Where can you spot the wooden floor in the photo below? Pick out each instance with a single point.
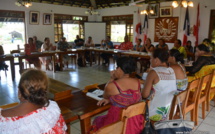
(81, 77)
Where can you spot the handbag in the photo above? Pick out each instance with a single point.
(174, 126)
(148, 129)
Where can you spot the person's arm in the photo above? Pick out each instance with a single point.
(151, 49)
(197, 65)
(166, 47)
(130, 46)
(92, 44)
(148, 83)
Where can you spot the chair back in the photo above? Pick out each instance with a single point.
(119, 127)
(213, 80)
(192, 86)
(9, 105)
(131, 111)
(182, 96)
(86, 88)
(204, 86)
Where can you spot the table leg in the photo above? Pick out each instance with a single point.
(85, 125)
(61, 62)
(20, 65)
(99, 58)
(12, 69)
(53, 61)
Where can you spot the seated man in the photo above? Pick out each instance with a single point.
(126, 45)
(108, 44)
(89, 43)
(78, 42)
(63, 46)
(181, 49)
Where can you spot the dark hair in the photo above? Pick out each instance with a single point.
(179, 42)
(63, 38)
(207, 40)
(161, 54)
(30, 38)
(149, 40)
(127, 64)
(178, 56)
(108, 37)
(203, 47)
(46, 38)
(162, 40)
(90, 37)
(189, 42)
(140, 40)
(33, 87)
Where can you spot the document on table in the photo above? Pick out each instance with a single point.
(95, 94)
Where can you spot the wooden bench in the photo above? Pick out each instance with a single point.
(60, 90)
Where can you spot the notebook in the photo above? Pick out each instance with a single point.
(96, 94)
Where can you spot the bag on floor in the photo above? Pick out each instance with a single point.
(178, 126)
(80, 62)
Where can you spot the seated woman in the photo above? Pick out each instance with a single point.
(203, 58)
(138, 46)
(31, 47)
(162, 44)
(34, 114)
(121, 91)
(176, 62)
(47, 46)
(161, 84)
(148, 47)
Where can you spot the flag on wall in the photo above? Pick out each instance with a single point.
(186, 27)
(145, 29)
(196, 27)
(138, 27)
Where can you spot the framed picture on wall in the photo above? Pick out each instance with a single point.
(47, 19)
(166, 28)
(166, 12)
(155, 7)
(34, 17)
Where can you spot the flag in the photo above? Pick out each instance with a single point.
(138, 27)
(145, 29)
(196, 27)
(186, 27)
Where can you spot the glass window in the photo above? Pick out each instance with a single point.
(70, 31)
(118, 32)
(12, 34)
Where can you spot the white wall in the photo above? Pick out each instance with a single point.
(48, 30)
(42, 31)
(205, 8)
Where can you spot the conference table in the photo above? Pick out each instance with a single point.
(9, 57)
(83, 107)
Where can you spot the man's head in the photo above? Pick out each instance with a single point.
(108, 38)
(63, 39)
(177, 43)
(77, 37)
(126, 38)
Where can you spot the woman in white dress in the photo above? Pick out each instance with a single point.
(47, 46)
(160, 85)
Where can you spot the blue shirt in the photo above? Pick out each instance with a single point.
(109, 44)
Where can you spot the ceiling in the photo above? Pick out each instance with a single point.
(97, 4)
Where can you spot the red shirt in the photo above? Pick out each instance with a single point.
(126, 46)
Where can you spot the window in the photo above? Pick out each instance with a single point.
(70, 31)
(12, 30)
(119, 26)
(117, 32)
(68, 26)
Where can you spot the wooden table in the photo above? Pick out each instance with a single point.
(84, 106)
(12, 67)
(37, 55)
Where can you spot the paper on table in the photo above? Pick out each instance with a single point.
(96, 94)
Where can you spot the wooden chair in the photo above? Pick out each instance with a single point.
(211, 93)
(202, 95)
(9, 105)
(192, 94)
(119, 127)
(174, 106)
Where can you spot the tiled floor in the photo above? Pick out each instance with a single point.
(80, 77)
